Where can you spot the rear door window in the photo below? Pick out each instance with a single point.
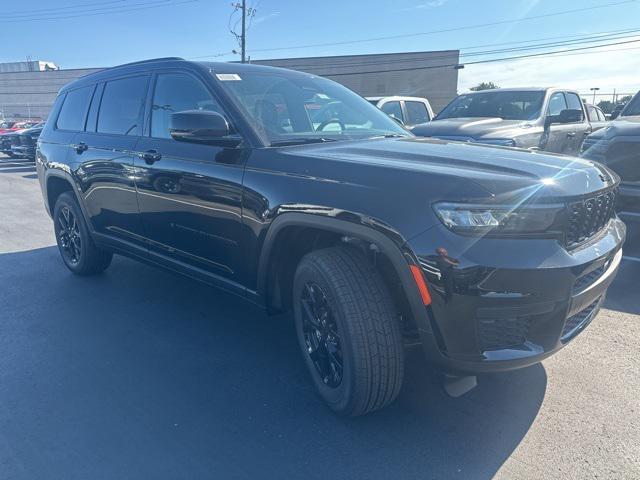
(393, 109)
(74, 109)
(593, 113)
(416, 112)
(122, 106)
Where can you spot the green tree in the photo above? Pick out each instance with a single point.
(484, 86)
(606, 106)
(625, 99)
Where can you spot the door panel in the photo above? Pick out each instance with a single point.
(105, 173)
(190, 201)
(190, 194)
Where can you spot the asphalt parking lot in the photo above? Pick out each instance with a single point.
(141, 374)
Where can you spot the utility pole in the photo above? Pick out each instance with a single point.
(243, 40)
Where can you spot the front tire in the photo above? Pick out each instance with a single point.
(75, 244)
(348, 331)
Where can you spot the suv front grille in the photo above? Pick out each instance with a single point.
(500, 333)
(576, 323)
(587, 217)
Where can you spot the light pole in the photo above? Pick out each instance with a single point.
(594, 90)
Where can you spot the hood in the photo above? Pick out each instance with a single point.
(621, 126)
(470, 128)
(498, 171)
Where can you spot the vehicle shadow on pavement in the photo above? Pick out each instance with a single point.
(138, 373)
(623, 293)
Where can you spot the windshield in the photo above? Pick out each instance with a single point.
(285, 107)
(634, 107)
(508, 105)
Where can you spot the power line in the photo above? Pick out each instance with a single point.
(54, 9)
(559, 53)
(583, 40)
(104, 11)
(446, 30)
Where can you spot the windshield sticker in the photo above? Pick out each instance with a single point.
(225, 77)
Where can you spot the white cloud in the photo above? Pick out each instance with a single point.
(264, 18)
(608, 68)
(422, 6)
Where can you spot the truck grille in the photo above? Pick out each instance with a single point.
(500, 333)
(576, 323)
(587, 217)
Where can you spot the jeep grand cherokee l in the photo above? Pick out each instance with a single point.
(546, 119)
(492, 258)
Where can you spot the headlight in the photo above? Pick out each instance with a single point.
(503, 142)
(497, 219)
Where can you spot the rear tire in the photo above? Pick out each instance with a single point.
(348, 331)
(75, 244)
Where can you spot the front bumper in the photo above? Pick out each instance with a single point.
(24, 151)
(501, 304)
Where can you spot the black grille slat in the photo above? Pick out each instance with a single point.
(589, 216)
(576, 323)
(588, 279)
(500, 333)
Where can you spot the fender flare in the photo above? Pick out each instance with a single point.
(394, 249)
(53, 172)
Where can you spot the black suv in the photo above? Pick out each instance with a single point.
(296, 193)
(618, 147)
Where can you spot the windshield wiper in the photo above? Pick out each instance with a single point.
(301, 141)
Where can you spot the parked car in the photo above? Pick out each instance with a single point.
(618, 147)
(6, 126)
(7, 140)
(596, 117)
(616, 110)
(24, 145)
(373, 237)
(546, 119)
(409, 111)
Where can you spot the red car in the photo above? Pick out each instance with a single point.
(11, 126)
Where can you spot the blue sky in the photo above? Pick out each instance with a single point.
(195, 28)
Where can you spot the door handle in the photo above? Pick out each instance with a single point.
(571, 134)
(80, 147)
(150, 156)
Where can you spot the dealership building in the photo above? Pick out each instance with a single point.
(28, 89)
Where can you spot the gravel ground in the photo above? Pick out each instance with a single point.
(141, 374)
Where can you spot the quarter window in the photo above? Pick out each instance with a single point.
(74, 109)
(176, 92)
(392, 109)
(557, 103)
(122, 106)
(416, 112)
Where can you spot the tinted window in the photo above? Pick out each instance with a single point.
(122, 106)
(287, 106)
(573, 101)
(508, 105)
(392, 109)
(176, 92)
(557, 103)
(416, 112)
(74, 109)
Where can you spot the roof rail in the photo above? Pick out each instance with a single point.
(151, 60)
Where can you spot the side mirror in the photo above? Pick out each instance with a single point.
(615, 114)
(566, 116)
(199, 126)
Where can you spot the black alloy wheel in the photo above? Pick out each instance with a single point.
(68, 232)
(321, 334)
